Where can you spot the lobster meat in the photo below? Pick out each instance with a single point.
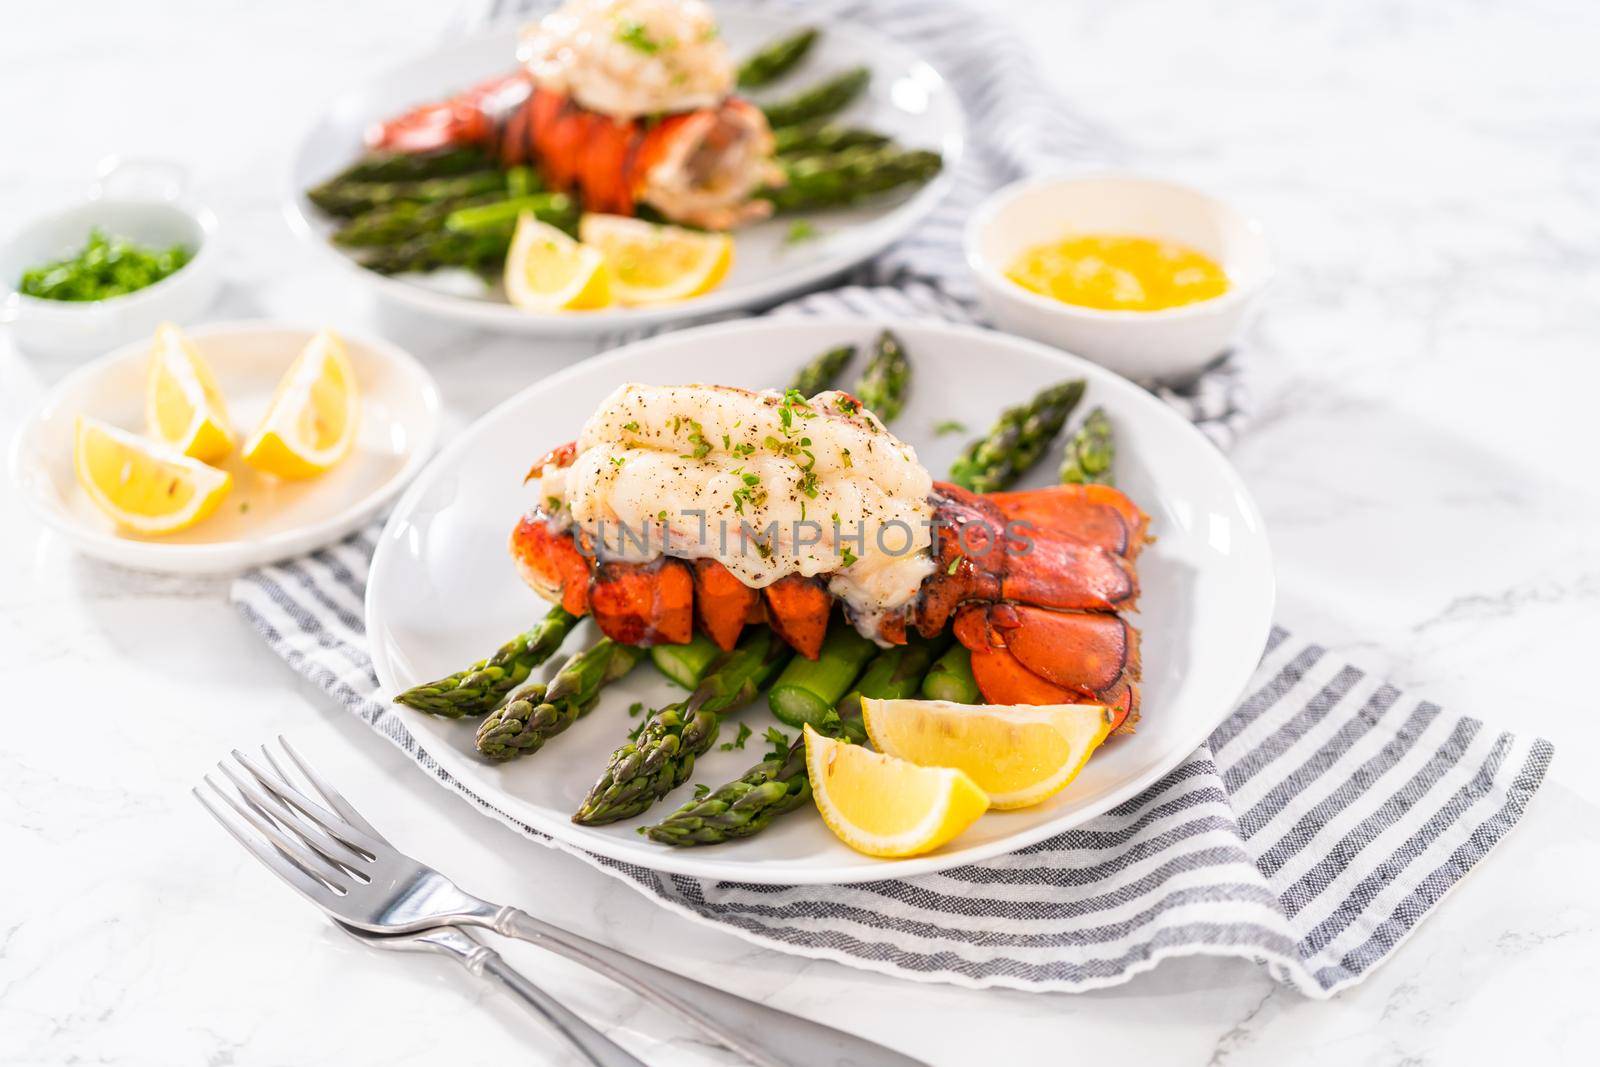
(1033, 582)
(618, 126)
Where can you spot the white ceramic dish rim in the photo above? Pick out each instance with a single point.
(221, 556)
(908, 214)
(994, 275)
(694, 863)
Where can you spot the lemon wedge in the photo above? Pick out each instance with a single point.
(884, 806)
(314, 416)
(657, 264)
(148, 488)
(1019, 755)
(548, 271)
(182, 404)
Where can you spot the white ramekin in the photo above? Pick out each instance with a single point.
(1143, 345)
(144, 201)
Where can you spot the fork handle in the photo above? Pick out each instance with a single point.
(596, 1047)
(763, 1035)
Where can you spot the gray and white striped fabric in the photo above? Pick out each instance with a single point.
(1314, 830)
(1015, 129)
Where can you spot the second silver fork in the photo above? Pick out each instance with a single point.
(340, 862)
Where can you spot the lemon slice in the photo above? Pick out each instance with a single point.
(885, 806)
(146, 487)
(657, 264)
(182, 405)
(1018, 755)
(314, 416)
(548, 271)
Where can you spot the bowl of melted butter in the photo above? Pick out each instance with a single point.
(1147, 277)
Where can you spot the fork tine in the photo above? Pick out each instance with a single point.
(346, 832)
(271, 858)
(338, 803)
(329, 846)
(293, 850)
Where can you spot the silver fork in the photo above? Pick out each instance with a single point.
(339, 861)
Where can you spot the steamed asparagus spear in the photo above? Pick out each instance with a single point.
(538, 712)
(480, 687)
(819, 101)
(779, 783)
(807, 690)
(882, 388)
(662, 757)
(685, 664)
(409, 167)
(1090, 451)
(950, 678)
(817, 375)
(440, 248)
(405, 220)
(352, 198)
(1016, 441)
(500, 216)
(776, 59)
(820, 136)
(845, 177)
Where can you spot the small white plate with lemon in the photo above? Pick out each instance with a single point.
(225, 447)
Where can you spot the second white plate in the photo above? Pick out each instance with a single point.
(442, 590)
(906, 99)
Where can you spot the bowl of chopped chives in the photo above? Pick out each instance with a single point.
(110, 268)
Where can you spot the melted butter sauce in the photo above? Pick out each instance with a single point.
(1115, 273)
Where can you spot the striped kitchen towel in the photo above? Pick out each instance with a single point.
(1313, 832)
(1016, 128)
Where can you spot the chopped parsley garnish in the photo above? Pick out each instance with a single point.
(800, 230)
(743, 449)
(779, 742)
(631, 427)
(949, 426)
(552, 503)
(737, 742)
(847, 405)
(955, 563)
(849, 556)
(633, 33)
(635, 708)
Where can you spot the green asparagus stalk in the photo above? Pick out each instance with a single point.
(395, 223)
(807, 690)
(819, 374)
(1090, 451)
(778, 784)
(1016, 441)
(894, 674)
(776, 59)
(819, 137)
(843, 178)
(538, 712)
(882, 388)
(481, 687)
(352, 198)
(950, 678)
(662, 756)
(821, 100)
(685, 664)
(437, 249)
(747, 805)
(501, 215)
(409, 167)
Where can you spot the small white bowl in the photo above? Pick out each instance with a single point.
(1142, 345)
(143, 201)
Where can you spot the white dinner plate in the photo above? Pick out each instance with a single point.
(906, 99)
(262, 519)
(443, 591)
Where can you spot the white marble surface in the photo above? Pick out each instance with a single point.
(1425, 457)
